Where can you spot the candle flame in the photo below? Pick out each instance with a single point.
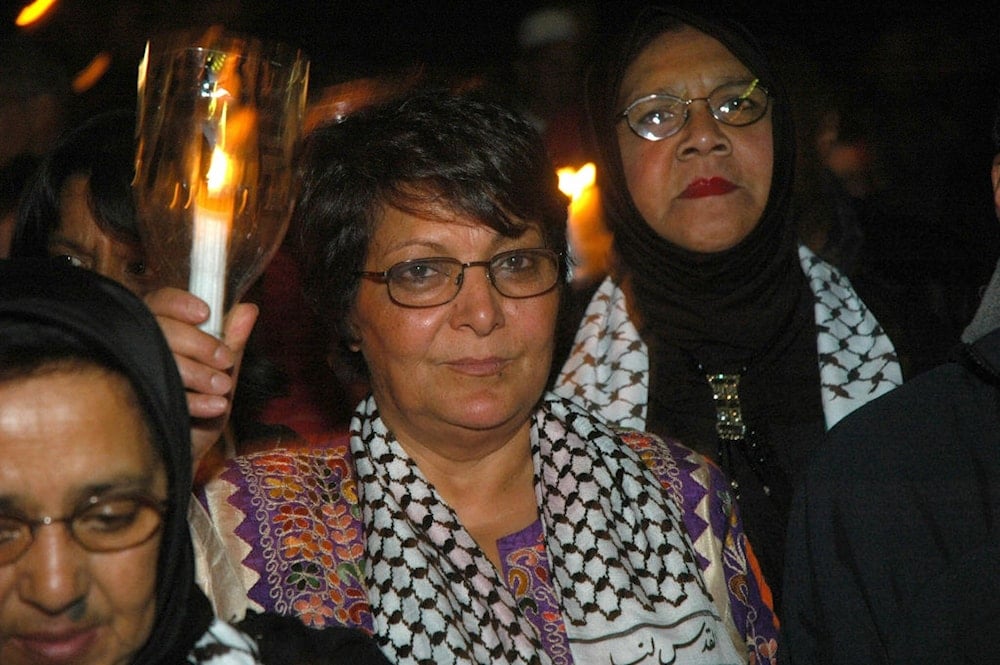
(87, 77)
(573, 182)
(33, 12)
(218, 172)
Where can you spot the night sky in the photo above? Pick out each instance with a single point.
(348, 37)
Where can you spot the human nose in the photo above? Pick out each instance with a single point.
(52, 572)
(106, 263)
(477, 304)
(701, 133)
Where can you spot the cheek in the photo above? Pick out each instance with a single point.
(537, 325)
(646, 171)
(757, 156)
(129, 586)
(762, 160)
(390, 336)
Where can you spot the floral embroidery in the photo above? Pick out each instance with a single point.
(303, 522)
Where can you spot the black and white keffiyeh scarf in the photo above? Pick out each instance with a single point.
(623, 567)
(608, 369)
(223, 644)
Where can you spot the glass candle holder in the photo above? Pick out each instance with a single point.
(219, 119)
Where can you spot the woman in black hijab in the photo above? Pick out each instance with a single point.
(715, 327)
(66, 322)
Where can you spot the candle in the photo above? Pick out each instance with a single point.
(213, 219)
(587, 235)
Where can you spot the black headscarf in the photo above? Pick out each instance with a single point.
(692, 297)
(81, 310)
(747, 310)
(722, 311)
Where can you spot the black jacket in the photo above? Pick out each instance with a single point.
(894, 538)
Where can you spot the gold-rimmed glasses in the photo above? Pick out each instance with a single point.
(100, 524)
(659, 116)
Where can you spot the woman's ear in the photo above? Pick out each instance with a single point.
(353, 339)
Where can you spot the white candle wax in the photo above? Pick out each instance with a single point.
(209, 247)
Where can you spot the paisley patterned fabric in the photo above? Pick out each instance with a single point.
(608, 368)
(287, 525)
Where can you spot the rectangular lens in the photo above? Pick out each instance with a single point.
(423, 281)
(525, 272)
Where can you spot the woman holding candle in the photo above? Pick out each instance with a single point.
(80, 210)
(470, 516)
(96, 561)
(715, 327)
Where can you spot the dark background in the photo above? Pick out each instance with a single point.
(922, 78)
(915, 83)
(345, 38)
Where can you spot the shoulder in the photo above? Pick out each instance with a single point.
(657, 452)
(285, 639)
(934, 437)
(932, 414)
(312, 459)
(696, 484)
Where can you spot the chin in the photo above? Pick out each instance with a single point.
(483, 414)
(712, 241)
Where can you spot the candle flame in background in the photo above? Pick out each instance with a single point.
(33, 12)
(589, 240)
(573, 182)
(92, 73)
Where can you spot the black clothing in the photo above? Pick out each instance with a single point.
(284, 640)
(894, 537)
(745, 311)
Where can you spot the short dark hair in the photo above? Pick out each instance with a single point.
(427, 150)
(103, 149)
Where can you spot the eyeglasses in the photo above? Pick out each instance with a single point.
(519, 273)
(101, 524)
(658, 116)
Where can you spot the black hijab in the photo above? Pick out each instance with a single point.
(747, 310)
(83, 312)
(718, 312)
(695, 297)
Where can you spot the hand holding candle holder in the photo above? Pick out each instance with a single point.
(220, 116)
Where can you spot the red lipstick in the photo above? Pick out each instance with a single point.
(707, 187)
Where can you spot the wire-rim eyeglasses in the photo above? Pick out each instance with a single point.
(659, 115)
(435, 281)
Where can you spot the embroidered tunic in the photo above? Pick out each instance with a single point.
(291, 529)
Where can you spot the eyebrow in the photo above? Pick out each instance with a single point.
(65, 243)
(499, 243)
(15, 503)
(664, 90)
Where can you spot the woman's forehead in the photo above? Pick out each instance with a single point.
(74, 428)
(677, 59)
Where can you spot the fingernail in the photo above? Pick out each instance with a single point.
(223, 357)
(200, 309)
(221, 384)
